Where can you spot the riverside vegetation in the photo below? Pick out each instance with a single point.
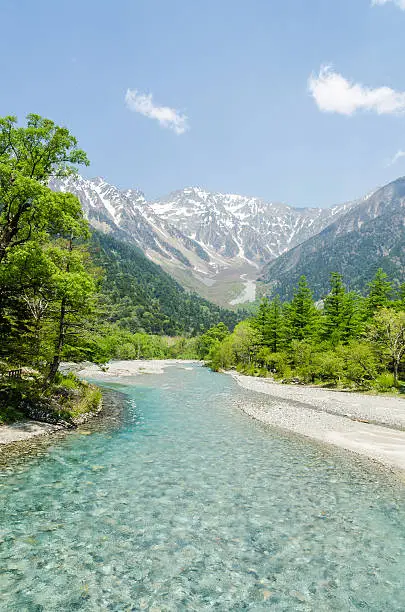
(345, 341)
(67, 294)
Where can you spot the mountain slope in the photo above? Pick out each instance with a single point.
(140, 296)
(370, 235)
(242, 226)
(212, 243)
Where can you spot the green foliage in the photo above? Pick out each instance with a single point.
(276, 364)
(347, 342)
(222, 356)
(66, 398)
(328, 367)
(245, 343)
(361, 367)
(302, 316)
(386, 382)
(45, 289)
(214, 336)
(29, 156)
(139, 296)
(270, 321)
(343, 313)
(380, 290)
(387, 332)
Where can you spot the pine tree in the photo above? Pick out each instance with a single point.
(343, 312)
(380, 289)
(274, 331)
(302, 315)
(262, 316)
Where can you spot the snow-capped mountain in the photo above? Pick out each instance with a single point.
(235, 225)
(212, 242)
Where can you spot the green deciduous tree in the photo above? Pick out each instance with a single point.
(387, 333)
(245, 342)
(45, 288)
(72, 300)
(29, 156)
(212, 337)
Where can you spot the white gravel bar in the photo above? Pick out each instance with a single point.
(118, 369)
(23, 430)
(373, 426)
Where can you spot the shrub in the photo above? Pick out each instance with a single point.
(360, 364)
(385, 382)
(328, 367)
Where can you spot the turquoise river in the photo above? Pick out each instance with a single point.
(182, 502)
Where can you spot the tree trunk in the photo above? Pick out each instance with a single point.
(62, 329)
(59, 345)
(396, 367)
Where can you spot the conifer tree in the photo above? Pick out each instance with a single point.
(302, 315)
(271, 324)
(380, 289)
(343, 312)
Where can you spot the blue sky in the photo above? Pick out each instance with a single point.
(231, 107)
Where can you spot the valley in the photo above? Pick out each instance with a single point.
(202, 306)
(219, 245)
(212, 243)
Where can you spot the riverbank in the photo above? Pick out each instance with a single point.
(27, 410)
(372, 426)
(27, 428)
(24, 430)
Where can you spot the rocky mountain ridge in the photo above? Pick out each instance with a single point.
(210, 242)
(368, 236)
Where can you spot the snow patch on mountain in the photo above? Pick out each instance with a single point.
(205, 239)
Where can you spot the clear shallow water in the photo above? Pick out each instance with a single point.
(187, 504)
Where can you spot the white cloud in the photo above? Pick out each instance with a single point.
(335, 94)
(167, 117)
(398, 155)
(399, 3)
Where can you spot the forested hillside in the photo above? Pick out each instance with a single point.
(139, 296)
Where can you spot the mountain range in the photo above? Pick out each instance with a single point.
(370, 235)
(213, 243)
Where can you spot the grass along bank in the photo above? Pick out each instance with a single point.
(67, 401)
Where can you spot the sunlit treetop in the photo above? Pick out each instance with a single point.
(40, 149)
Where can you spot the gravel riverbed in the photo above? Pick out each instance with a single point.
(372, 426)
